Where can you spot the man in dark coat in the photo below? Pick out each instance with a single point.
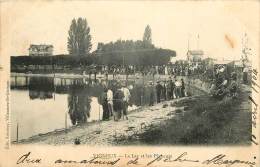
(118, 104)
(105, 106)
(158, 88)
(182, 88)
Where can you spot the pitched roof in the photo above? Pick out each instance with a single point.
(41, 47)
(195, 52)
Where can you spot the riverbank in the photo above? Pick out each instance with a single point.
(192, 120)
(110, 132)
(205, 121)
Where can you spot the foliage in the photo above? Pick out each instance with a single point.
(121, 52)
(79, 39)
(129, 52)
(147, 37)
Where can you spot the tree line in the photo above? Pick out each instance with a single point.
(141, 57)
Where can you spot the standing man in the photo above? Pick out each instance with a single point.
(233, 86)
(172, 87)
(177, 89)
(118, 103)
(164, 90)
(169, 89)
(106, 73)
(150, 90)
(158, 91)
(182, 88)
(110, 101)
(126, 99)
(245, 72)
(105, 105)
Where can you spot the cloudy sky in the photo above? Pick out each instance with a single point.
(220, 25)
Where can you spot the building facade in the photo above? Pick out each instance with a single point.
(40, 50)
(195, 55)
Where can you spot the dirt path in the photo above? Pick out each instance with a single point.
(108, 132)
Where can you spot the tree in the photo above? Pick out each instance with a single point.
(147, 37)
(79, 39)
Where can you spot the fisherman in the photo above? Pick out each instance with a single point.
(118, 103)
(164, 90)
(177, 89)
(158, 88)
(151, 93)
(126, 99)
(172, 87)
(110, 101)
(182, 88)
(105, 105)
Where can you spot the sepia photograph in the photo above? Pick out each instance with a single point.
(129, 83)
(89, 75)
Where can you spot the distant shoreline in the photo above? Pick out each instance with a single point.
(98, 76)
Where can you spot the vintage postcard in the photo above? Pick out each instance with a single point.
(129, 83)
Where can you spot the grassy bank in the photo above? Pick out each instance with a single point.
(204, 120)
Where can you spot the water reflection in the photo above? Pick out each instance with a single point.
(79, 93)
(46, 88)
(78, 103)
(41, 88)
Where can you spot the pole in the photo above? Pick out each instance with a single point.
(123, 61)
(66, 122)
(54, 88)
(99, 111)
(17, 132)
(15, 80)
(198, 42)
(142, 97)
(26, 81)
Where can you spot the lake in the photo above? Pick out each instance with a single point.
(44, 104)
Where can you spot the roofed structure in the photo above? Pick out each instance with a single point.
(40, 50)
(194, 55)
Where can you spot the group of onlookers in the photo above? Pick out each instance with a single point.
(115, 102)
(176, 69)
(170, 89)
(221, 87)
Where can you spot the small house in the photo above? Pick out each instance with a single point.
(194, 55)
(40, 50)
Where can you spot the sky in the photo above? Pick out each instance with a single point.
(220, 26)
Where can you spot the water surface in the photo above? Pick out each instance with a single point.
(43, 104)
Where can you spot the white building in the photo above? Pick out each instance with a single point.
(40, 50)
(194, 55)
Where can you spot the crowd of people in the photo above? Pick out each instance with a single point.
(171, 69)
(223, 83)
(169, 89)
(116, 99)
(222, 86)
(115, 102)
